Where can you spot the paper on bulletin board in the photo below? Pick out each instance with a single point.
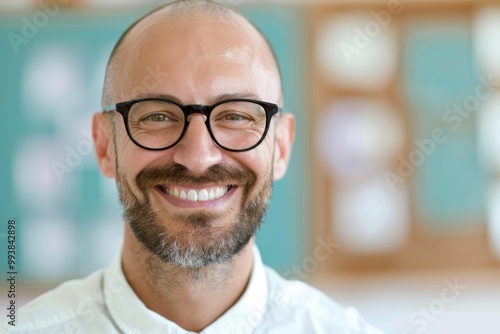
(358, 50)
(369, 217)
(486, 32)
(358, 138)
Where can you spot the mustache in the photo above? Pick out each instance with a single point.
(178, 174)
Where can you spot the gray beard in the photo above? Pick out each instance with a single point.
(199, 244)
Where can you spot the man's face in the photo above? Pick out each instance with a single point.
(195, 64)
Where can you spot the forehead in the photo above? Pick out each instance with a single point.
(197, 56)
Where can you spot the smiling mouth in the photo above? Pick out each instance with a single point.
(196, 195)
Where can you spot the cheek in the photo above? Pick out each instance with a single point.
(258, 160)
(131, 159)
(265, 151)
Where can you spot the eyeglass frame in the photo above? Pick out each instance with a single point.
(123, 108)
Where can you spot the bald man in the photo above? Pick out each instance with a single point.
(194, 157)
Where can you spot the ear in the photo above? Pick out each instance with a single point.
(284, 137)
(102, 133)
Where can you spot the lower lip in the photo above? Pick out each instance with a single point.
(215, 203)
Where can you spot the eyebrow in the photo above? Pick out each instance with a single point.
(216, 99)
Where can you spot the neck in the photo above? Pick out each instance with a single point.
(192, 298)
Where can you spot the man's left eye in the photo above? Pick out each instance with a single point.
(235, 117)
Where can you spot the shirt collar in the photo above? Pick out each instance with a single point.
(132, 316)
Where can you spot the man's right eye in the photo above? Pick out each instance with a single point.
(156, 118)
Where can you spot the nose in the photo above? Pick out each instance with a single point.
(197, 151)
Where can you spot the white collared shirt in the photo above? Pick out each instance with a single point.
(105, 303)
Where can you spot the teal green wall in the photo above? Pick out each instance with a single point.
(440, 73)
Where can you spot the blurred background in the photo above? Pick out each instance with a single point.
(392, 200)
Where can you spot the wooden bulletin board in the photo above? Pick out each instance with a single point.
(435, 67)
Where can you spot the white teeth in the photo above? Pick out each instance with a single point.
(192, 195)
(202, 195)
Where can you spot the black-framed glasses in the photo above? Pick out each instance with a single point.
(235, 125)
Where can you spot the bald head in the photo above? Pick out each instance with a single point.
(187, 19)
